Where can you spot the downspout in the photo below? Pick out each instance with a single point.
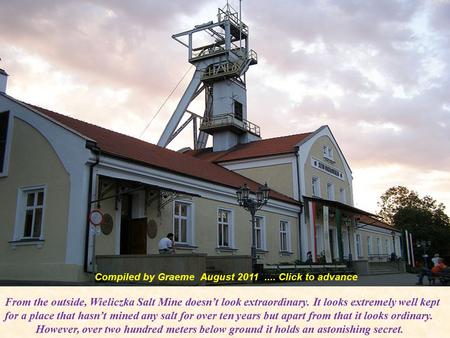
(299, 190)
(93, 147)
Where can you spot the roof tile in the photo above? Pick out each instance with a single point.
(130, 148)
(261, 148)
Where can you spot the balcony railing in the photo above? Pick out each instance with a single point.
(231, 69)
(232, 15)
(228, 120)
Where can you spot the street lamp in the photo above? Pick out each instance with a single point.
(253, 205)
(425, 245)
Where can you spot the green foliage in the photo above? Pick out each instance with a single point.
(424, 217)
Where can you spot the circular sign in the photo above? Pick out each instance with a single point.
(96, 217)
(152, 228)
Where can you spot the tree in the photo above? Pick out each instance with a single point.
(395, 198)
(424, 217)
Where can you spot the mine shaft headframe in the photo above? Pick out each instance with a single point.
(219, 51)
(228, 34)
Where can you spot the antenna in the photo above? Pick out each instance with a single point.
(240, 24)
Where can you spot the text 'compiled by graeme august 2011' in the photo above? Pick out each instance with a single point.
(226, 312)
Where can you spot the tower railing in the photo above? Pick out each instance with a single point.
(231, 15)
(207, 51)
(229, 119)
(231, 69)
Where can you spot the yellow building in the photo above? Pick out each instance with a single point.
(310, 167)
(55, 169)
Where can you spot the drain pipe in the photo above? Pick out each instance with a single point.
(96, 150)
(299, 190)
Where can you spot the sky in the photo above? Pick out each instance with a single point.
(376, 72)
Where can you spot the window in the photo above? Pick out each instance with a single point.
(342, 195)
(344, 237)
(30, 214)
(238, 110)
(378, 246)
(369, 245)
(260, 233)
(224, 223)
(316, 186)
(4, 119)
(328, 152)
(387, 246)
(182, 222)
(330, 191)
(285, 236)
(358, 245)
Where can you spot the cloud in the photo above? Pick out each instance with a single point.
(377, 72)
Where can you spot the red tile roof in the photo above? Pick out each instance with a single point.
(130, 148)
(268, 147)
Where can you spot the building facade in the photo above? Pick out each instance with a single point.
(55, 170)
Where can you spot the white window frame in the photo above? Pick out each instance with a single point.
(345, 243)
(328, 153)
(287, 232)
(358, 245)
(315, 186)
(21, 209)
(262, 229)
(230, 228)
(378, 241)
(189, 221)
(330, 191)
(369, 246)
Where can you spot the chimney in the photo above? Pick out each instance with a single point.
(3, 80)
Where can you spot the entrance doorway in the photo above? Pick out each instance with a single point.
(133, 231)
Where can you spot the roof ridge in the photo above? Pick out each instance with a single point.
(283, 136)
(242, 145)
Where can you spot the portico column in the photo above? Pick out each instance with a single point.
(312, 229)
(339, 234)
(326, 234)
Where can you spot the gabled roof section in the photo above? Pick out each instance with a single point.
(261, 148)
(337, 145)
(369, 220)
(138, 151)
